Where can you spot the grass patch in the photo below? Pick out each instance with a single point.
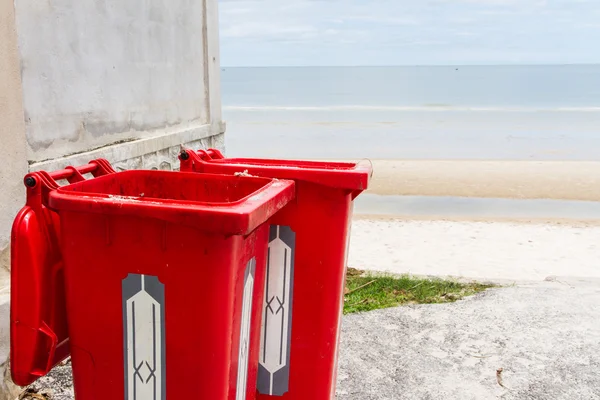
(366, 292)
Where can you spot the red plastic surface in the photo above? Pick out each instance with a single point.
(193, 235)
(320, 216)
(202, 275)
(39, 338)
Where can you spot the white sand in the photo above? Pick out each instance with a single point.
(483, 249)
(479, 250)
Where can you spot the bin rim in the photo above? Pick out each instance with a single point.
(343, 175)
(238, 217)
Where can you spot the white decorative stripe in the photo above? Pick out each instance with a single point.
(276, 321)
(350, 212)
(144, 340)
(243, 359)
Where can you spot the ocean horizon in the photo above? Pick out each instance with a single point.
(528, 112)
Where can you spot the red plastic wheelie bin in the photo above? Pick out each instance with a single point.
(306, 270)
(153, 281)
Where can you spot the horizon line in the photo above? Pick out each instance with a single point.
(414, 65)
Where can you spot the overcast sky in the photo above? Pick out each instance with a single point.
(408, 32)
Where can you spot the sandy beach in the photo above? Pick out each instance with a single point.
(497, 251)
(568, 180)
(480, 247)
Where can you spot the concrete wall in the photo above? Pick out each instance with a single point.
(13, 164)
(94, 71)
(127, 80)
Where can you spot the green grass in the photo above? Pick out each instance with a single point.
(370, 292)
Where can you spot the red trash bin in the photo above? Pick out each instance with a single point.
(152, 280)
(306, 270)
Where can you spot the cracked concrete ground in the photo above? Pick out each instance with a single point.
(545, 336)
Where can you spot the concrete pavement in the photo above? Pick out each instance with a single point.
(545, 336)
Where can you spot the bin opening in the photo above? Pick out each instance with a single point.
(225, 204)
(174, 186)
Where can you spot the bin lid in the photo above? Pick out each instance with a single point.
(39, 337)
(341, 175)
(39, 331)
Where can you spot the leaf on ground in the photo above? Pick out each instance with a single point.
(32, 394)
(354, 272)
(499, 377)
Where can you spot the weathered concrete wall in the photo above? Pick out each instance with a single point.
(99, 71)
(13, 165)
(126, 80)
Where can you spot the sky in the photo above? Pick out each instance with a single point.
(408, 32)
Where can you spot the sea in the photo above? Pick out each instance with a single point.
(541, 112)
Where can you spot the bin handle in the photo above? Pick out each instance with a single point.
(201, 154)
(210, 154)
(190, 159)
(40, 183)
(75, 174)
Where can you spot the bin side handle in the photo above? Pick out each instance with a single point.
(191, 160)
